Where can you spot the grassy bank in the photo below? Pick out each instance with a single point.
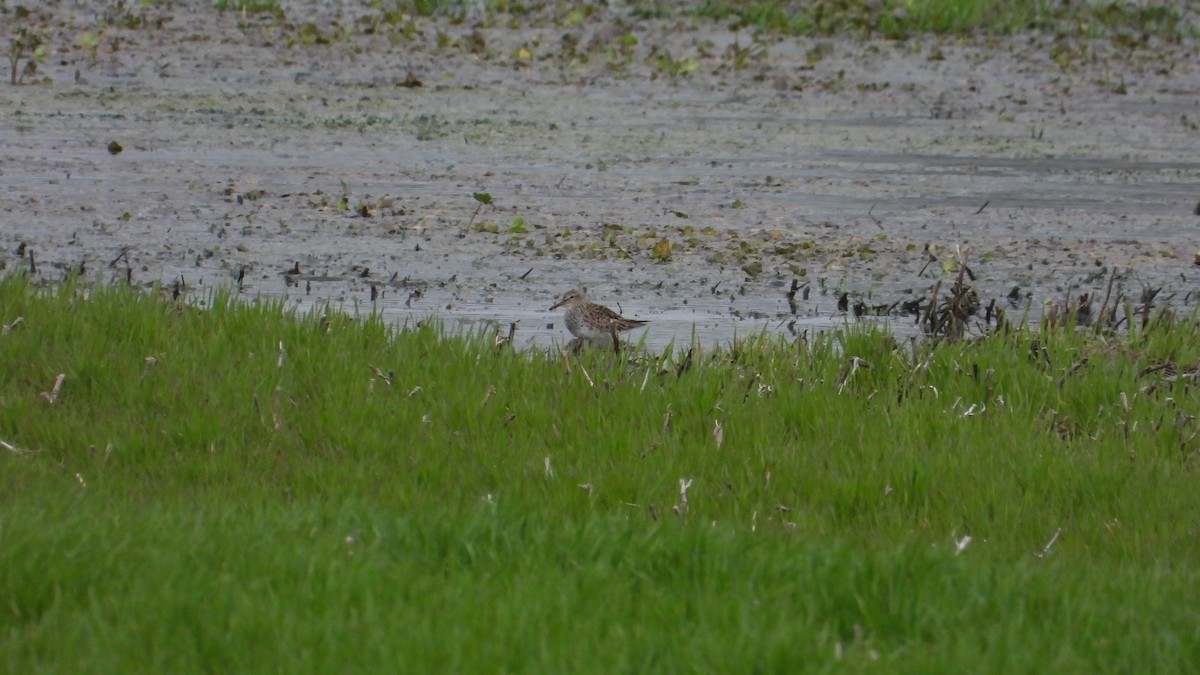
(240, 488)
(889, 18)
(901, 18)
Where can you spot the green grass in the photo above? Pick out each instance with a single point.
(900, 18)
(889, 18)
(249, 6)
(197, 499)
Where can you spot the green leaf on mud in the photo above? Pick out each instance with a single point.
(574, 17)
(661, 252)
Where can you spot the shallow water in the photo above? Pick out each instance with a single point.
(871, 181)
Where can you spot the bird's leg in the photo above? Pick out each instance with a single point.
(616, 341)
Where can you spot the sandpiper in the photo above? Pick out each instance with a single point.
(589, 321)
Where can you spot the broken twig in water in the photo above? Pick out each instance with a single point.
(504, 340)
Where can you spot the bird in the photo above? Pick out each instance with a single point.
(589, 321)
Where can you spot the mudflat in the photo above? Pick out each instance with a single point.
(708, 180)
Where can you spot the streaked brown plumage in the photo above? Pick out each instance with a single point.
(589, 321)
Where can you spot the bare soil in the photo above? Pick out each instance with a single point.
(318, 172)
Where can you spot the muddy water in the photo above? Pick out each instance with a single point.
(309, 174)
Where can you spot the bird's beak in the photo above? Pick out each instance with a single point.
(560, 304)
